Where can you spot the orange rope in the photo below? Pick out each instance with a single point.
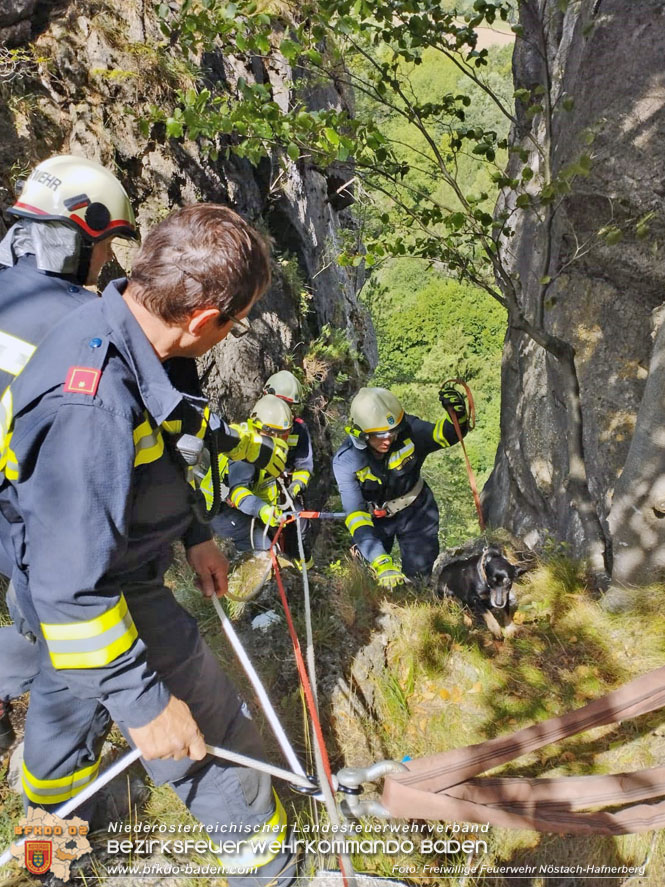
(458, 432)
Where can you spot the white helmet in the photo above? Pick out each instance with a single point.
(271, 415)
(285, 386)
(374, 411)
(80, 193)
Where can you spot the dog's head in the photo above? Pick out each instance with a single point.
(500, 575)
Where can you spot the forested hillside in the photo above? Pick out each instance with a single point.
(430, 327)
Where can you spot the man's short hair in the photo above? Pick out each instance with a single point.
(201, 256)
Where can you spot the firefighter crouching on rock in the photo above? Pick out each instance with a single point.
(299, 463)
(377, 470)
(68, 213)
(96, 493)
(253, 504)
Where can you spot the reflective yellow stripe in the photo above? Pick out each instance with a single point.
(74, 631)
(438, 433)
(262, 847)
(206, 483)
(365, 473)
(267, 490)
(358, 519)
(93, 643)
(8, 461)
(238, 495)
(173, 426)
(148, 442)
(292, 440)
(54, 791)
(398, 458)
(14, 353)
(302, 475)
(204, 422)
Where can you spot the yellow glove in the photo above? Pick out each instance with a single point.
(299, 481)
(387, 574)
(269, 453)
(271, 515)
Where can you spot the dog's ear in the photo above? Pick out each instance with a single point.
(520, 569)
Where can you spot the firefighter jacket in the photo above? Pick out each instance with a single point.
(31, 303)
(300, 461)
(366, 481)
(95, 494)
(250, 488)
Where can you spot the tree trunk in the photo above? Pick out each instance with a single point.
(603, 66)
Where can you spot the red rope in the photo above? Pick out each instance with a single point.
(300, 662)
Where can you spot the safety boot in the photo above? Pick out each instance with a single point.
(7, 735)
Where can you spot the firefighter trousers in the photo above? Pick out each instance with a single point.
(64, 734)
(416, 529)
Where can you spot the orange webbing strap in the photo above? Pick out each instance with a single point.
(458, 432)
(444, 786)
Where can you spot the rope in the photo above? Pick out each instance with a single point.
(460, 437)
(321, 753)
(259, 689)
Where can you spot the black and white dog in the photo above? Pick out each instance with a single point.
(484, 583)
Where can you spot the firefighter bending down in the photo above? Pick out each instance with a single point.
(377, 470)
(89, 432)
(255, 500)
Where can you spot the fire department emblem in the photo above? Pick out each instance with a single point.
(38, 856)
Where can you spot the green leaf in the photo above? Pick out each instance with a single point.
(293, 151)
(331, 135)
(523, 201)
(174, 128)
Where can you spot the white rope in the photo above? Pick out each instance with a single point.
(259, 689)
(348, 871)
(244, 761)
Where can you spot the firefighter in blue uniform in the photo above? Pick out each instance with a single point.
(377, 470)
(96, 493)
(45, 263)
(68, 212)
(300, 461)
(253, 502)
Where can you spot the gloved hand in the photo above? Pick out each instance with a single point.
(451, 398)
(387, 574)
(299, 481)
(270, 515)
(294, 488)
(266, 452)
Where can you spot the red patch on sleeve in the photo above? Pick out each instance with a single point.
(82, 380)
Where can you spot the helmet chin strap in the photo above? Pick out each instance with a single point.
(85, 256)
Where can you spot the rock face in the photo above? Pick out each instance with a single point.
(94, 71)
(601, 66)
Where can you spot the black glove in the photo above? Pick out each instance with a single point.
(450, 398)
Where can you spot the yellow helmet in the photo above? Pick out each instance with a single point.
(374, 411)
(285, 386)
(271, 415)
(80, 193)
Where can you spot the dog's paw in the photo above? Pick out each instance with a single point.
(511, 630)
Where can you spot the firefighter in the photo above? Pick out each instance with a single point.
(89, 431)
(253, 503)
(300, 461)
(68, 213)
(377, 470)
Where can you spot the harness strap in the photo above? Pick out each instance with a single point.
(399, 503)
(444, 786)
